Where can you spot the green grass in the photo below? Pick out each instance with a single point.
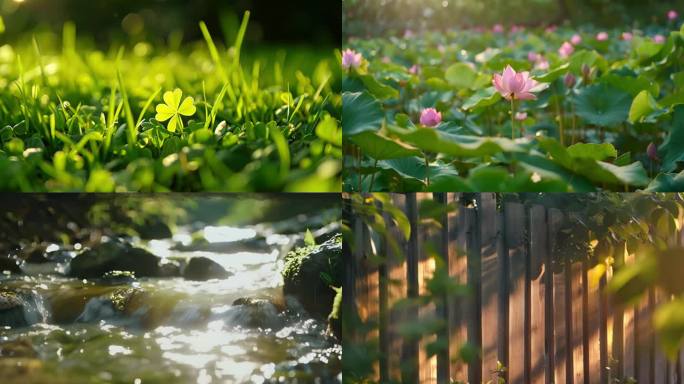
(77, 118)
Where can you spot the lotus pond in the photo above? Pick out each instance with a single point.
(422, 112)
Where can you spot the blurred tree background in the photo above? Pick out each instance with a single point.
(273, 22)
(374, 17)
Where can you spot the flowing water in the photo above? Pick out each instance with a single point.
(176, 331)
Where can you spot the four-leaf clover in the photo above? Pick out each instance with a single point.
(173, 109)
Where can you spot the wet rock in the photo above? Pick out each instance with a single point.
(9, 265)
(34, 254)
(112, 256)
(169, 268)
(202, 268)
(255, 313)
(154, 228)
(310, 272)
(12, 310)
(17, 348)
(118, 277)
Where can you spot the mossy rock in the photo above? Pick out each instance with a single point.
(12, 310)
(202, 268)
(114, 256)
(310, 272)
(153, 228)
(10, 265)
(17, 348)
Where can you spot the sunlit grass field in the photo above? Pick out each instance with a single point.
(139, 116)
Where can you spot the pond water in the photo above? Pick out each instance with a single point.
(175, 330)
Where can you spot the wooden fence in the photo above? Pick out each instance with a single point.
(544, 326)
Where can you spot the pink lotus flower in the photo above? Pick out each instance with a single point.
(351, 59)
(542, 64)
(551, 28)
(521, 116)
(386, 60)
(430, 117)
(627, 36)
(533, 56)
(576, 39)
(566, 50)
(408, 34)
(602, 36)
(515, 86)
(659, 39)
(414, 69)
(498, 28)
(672, 15)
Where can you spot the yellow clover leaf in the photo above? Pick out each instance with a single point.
(172, 109)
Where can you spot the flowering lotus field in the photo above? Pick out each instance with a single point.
(516, 109)
(200, 116)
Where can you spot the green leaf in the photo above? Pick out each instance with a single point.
(668, 321)
(460, 75)
(554, 74)
(643, 105)
(329, 130)
(436, 141)
(671, 149)
(379, 147)
(631, 84)
(602, 105)
(592, 151)
(667, 182)
(360, 112)
(482, 98)
(377, 89)
(309, 239)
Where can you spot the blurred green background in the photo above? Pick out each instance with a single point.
(374, 17)
(276, 22)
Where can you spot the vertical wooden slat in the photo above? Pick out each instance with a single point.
(410, 352)
(560, 327)
(397, 288)
(538, 250)
(371, 290)
(549, 315)
(618, 352)
(515, 219)
(490, 284)
(383, 302)
(630, 332)
(443, 374)
(427, 364)
(504, 284)
(660, 361)
(475, 301)
(578, 320)
(603, 331)
(591, 333)
(458, 265)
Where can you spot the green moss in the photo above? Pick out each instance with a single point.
(121, 297)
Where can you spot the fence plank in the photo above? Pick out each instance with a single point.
(592, 332)
(577, 321)
(474, 307)
(515, 243)
(397, 289)
(557, 271)
(410, 352)
(490, 284)
(443, 374)
(458, 265)
(538, 251)
(426, 241)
